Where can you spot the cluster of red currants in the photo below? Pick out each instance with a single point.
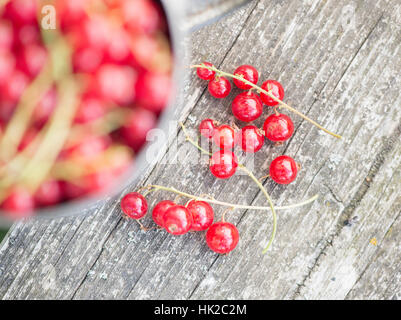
(247, 106)
(121, 58)
(221, 237)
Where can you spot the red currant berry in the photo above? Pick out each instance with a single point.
(202, 215)
(138, 123)
(223, 164)
(7, 64)
(119, 47)
(141, 16)
(89, 148)
(12, 89)
(71, 12)
(49, 193)
(89, 109)
(134, 205)
(276, 89)
(252, 139)
(219, 87)
(177, 220)
(32, 59)
(21, 12)
(160, 209)
(224, 137)
(87, 59)
(117, 82)
(153, 90)
(222, 237)
(19, 203)
(248, 73)
(206, 74)
(247, 106)
(6, 36)
(278, 127)
(207, 128)
(283, 170)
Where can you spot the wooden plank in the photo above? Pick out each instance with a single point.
(364, 259)
(336, 169)
(22, 257)
(337, 61)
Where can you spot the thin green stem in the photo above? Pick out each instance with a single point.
(232, 205)
(270, 94)
(189, 139)
(269, 200)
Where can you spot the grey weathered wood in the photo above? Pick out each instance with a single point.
(339, 62)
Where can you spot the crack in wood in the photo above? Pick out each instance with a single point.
(349, 210)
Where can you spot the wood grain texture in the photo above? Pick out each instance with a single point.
(339, 62)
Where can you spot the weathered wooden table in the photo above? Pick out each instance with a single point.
(340, 63)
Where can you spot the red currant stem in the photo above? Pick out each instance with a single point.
(143, 228)
(54, 136)
(264, 177)
(223, 216)
(232, 205)
(102, 126)
(271, 95)
(16, 127)
(269, 200)
(189, 139)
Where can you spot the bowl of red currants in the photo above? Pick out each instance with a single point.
(82, 82)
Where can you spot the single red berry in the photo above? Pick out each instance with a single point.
(21, 12)
(7, 64)
(89, 148)
(19, 203)
(277, 90)
(141, 16)
(137, 125)
(119, 49)
(223, 164)
(32, 58)
(72, 190)
(87, 59)
(224, 137)
(278, 127)
(252, 139)
(95, 32)
(206, 74)
(89, 109)
(160, 209)
(117, 82)
(153, 90)
(71, 12)
(177, 220)
(49, 193)
(27, 35)
(222, 237)
(134, 205)
(283, 170)
(12, 89)
(247, 106)
(6, 36)
(202, 215)
(248, 73)
(219, 87)
(207, 128)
